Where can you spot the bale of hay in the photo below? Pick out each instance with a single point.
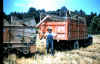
(41, 44)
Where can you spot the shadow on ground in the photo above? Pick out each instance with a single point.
(69, 45)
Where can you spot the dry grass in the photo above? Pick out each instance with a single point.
(96, 39)
(89, 55)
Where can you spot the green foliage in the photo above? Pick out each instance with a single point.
(95, 25)
(33, 12)
(92, 20)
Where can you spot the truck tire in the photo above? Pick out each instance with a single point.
(25, 51)
(76, 44)
(89, 41)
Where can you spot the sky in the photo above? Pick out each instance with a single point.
(49, 5)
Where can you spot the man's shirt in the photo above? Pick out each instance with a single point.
(47, 33)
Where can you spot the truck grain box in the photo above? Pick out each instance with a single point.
(19, 39)
(66, 28)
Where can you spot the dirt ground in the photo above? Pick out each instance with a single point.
(88, 55)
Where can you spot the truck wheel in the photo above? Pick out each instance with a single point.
(76, 44)
(25, 51)
(89, 41)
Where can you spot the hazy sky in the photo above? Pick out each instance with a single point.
(23, 5)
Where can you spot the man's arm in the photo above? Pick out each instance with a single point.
(40, 35)
(43, 35)
(54, 35)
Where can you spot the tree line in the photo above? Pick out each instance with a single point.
(92, 20)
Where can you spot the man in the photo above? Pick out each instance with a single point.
(49, 40)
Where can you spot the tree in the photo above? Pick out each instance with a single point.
(33, 12)
(18, 15)
(63, 11)
(42, 11)
(95, 25)
(77, 12)
(99, 15)
(58, 12)
(89, 18)
(82, 13)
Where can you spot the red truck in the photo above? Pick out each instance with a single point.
(68, 29)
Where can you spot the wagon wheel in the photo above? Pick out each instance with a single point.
(76, 44)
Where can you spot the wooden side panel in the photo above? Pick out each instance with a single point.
(77, 31)
(5, 35)
(66, 30)
(60, 31)
(67, 33)
(57, 27)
